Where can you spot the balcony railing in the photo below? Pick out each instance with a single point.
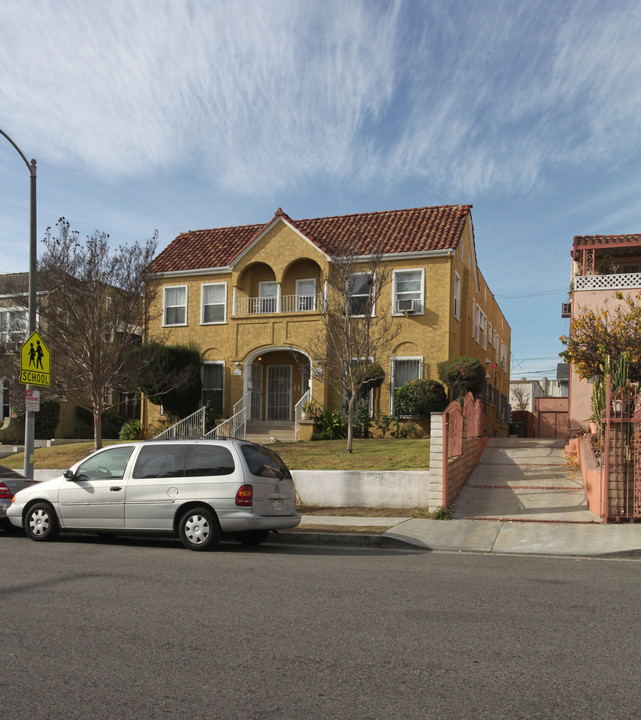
(616, 281)
(281, 304)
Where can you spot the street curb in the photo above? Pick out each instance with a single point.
(361, 540)
(382, 542)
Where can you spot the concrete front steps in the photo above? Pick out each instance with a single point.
(263, 432)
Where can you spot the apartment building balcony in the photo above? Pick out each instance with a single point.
(609, 281)
(276, 304)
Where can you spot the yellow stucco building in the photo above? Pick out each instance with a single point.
(251, 298)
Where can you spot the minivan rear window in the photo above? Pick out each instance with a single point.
(264, 462)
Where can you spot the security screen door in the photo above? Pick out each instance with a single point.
(279, 392)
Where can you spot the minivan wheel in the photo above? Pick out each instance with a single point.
(41, 523)
(198, 529)
(252, 537)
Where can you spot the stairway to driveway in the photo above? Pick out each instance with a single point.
(524, 479)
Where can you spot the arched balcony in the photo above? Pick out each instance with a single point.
(259, 292)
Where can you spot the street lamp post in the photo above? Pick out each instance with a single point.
(30, 417)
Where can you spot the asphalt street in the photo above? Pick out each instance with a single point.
(136, 628)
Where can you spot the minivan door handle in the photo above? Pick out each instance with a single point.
(115, 488)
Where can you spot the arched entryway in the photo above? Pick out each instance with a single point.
(277, 377)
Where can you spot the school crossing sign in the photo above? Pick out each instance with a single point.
(35, 362)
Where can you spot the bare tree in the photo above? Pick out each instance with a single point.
(357, 328)
(521, 396)
(92, 315)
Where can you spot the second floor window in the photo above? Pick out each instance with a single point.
(457, 296)
(361, 294)
(13, 327)
(175, 305)
(214, 303)
(408, 291)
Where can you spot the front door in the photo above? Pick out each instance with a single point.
(279, 392)
(95, 496)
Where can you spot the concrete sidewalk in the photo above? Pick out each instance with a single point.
(482, 536)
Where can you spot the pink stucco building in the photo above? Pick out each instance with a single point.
(602, 267)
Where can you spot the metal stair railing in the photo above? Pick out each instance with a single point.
(234, 427)
(298, 409)
(190, 427)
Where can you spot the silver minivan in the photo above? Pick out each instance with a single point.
(199, 490)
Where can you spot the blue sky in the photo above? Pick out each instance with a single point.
(181, 115)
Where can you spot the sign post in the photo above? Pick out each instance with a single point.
(35, 369)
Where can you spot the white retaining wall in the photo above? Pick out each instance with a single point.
(355, 488)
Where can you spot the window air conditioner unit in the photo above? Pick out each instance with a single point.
(407, 306)
(566, 309)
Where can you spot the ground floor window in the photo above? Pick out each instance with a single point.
(5, 399)
(213, 375)
(402, 371)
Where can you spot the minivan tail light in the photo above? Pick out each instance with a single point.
(5, 493)
(244, 496)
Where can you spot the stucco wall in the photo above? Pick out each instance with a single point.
(337, 488)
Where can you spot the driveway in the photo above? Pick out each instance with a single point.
(524, 479)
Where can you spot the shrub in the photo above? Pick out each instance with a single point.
(170, 376)
(462, 375)
(131, 431)
(330, 425)
(383, 424)
(404, 429)
(419, 398)
(47, 419)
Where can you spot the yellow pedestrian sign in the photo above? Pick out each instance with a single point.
(35, 362)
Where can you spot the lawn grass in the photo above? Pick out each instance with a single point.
(57, 457)
(372, 454)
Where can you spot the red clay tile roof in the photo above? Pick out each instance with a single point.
(582, 241)
(390, 231)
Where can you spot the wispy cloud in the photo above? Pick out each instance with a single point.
(262, 96)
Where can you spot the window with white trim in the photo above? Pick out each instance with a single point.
(361, 287)
(474, 320)
(457, 296)
(503, 356)
(13, 327)
(175, 305)
(408, 291)
(483, 329)
(403, 369)
(214, 303)
(213, 377)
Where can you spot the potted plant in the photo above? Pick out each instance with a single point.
(307, 411)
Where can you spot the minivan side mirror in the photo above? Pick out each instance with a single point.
(68, 474)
